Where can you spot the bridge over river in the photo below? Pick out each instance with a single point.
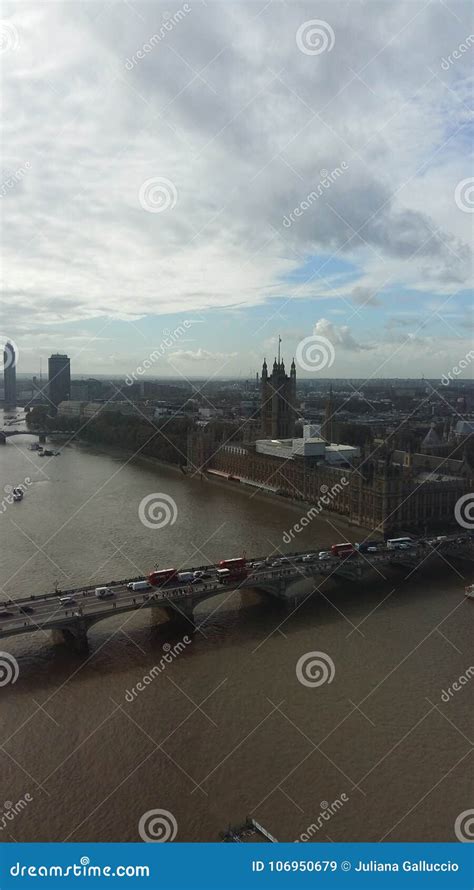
(289, 579)
(7, 434)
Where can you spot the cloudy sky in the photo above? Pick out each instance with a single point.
(253, 168)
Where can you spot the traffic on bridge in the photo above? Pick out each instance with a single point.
(79, 608)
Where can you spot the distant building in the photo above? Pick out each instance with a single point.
(464, 428)
(79, 391)
(88, 410)
(59, 378)
(93, 409)
(207, 413)
(9, 374)
(311, 430)
(311, 448)
(278, 400)
(71, 409)
(387, 490)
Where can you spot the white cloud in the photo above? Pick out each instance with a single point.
(241, 122)
(340, 336)
(200, 355)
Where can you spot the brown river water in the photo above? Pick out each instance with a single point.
(226, 728)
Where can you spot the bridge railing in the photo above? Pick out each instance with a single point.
(391, 554)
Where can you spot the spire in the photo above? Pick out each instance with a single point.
(279, 342)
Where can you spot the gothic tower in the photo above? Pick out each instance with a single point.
(278, 400)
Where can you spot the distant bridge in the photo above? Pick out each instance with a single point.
(290, 582)
(39, 434)
(6, 434)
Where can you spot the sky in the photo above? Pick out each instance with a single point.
(189, 181)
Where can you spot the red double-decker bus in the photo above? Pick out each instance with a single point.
(343, 550)
(158, 579)
(234, 565)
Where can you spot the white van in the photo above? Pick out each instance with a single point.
(139, 585)
(186, 577)
(103, 593)
(399, 543)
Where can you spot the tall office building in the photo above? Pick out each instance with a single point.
(9, 374)
(278, 400)
(59, 377)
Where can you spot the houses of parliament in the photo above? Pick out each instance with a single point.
(381, 488)
(278, 400)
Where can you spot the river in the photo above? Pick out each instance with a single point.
(226, 728)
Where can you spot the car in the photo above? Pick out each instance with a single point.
(26, 609)
(308, 557)
(325, 554)
(67, 601)
(201, 575)
(257, 565)
(276, 562)
(368, 546)
(185, 577)
(103, 593)
(6, 614)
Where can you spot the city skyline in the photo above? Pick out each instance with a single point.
(233, 172)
